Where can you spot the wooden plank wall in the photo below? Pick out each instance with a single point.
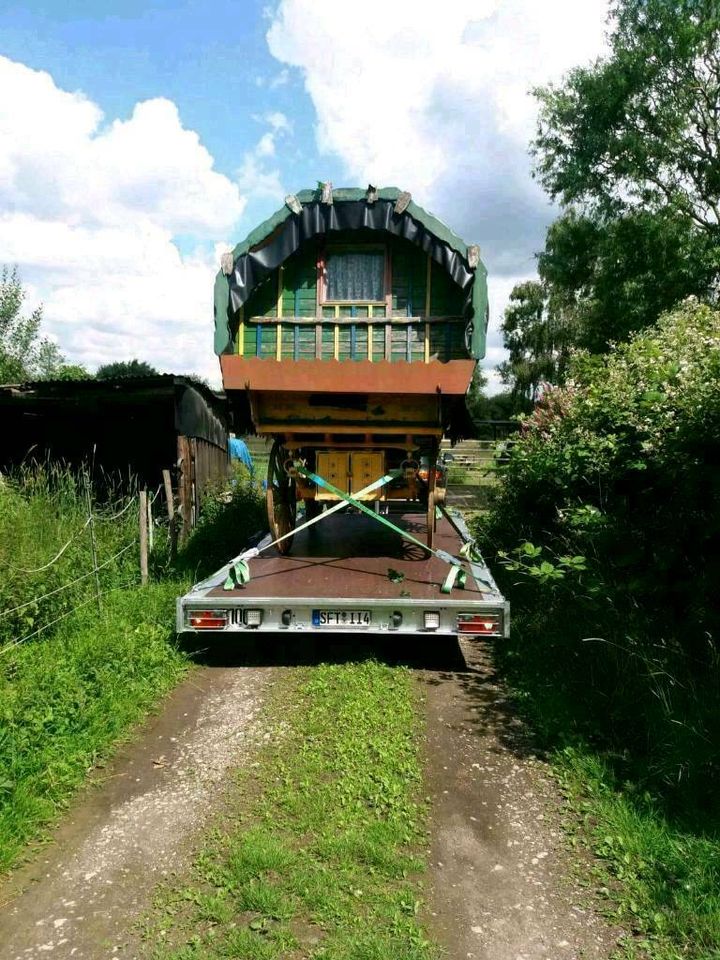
(200, 465)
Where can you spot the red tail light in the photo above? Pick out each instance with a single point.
(480, 624)
(206, 619)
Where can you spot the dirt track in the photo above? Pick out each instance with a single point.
(82, 896)
(499, 874)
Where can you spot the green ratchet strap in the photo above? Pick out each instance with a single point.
(238, 569)
(456, 575)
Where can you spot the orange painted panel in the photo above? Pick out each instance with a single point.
(333, 376)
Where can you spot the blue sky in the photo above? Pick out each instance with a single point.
(137, 141)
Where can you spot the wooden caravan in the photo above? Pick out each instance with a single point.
(348, 327)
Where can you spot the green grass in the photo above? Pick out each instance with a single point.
(73, 679)
(320, 853)
(656, 863)
(64, 702)
(657, 876)
(41, 509)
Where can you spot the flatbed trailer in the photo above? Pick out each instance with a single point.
(350, 574)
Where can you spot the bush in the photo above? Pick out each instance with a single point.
(608, 521)
(227, 522)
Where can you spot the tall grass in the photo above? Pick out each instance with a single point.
(66, 698)
(74, 679)
(43, 508)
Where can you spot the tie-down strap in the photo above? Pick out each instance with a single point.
(239, 570)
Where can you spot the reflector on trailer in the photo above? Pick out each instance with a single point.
(479, 624)
(431, 619)
(206, 619)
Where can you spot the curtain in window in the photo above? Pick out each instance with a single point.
(356, 276)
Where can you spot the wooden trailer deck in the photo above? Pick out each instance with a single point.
(350, 573)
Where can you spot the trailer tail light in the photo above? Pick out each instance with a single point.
(206, 619)
(253, 618)
(431, 620)
(480, 624)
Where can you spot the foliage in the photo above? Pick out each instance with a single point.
(607, 521)
(614, 468)
(325, 860)
(73, 371)
(125, 368)
(537, 339)
(228, 520)
(640, 128)
(42, 508)
(24, 353)
(63, 702)
(630, 146)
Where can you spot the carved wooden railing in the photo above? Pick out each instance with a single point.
(418, 339)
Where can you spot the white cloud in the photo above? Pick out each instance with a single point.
(436, 99)
(254, 175)
(89, 212)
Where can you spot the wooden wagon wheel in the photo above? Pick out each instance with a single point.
(280, 498)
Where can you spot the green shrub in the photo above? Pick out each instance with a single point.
(229, 518)
(608, 521)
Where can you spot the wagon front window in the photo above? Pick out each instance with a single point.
(355, 276)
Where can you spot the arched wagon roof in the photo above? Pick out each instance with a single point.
(311, 213)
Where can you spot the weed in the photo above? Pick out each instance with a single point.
(326, 857)
(66, 699)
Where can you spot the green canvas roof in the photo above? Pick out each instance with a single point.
(439, 230)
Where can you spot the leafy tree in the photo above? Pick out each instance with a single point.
(24, 353)
(537, 337)
(640, 129)
(73, 371)
(125, 368)
(630, 146)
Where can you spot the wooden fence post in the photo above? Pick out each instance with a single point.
(143, 537)
(185, 491)
(172, 519)
(93, 541)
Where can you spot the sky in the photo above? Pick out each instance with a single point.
(140, 140)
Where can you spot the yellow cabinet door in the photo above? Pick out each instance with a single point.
(335, 468)
(366, 468)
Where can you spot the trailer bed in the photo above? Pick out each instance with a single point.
(350, 573)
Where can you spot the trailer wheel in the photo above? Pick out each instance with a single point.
(281, 498)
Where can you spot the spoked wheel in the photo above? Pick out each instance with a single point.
(280, 498)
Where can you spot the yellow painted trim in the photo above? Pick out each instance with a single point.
(336, 346)
(278, 335)
(337, 310)
(428, 285)
(241, 333)
(427, 343)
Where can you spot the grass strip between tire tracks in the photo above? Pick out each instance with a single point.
(321, 852)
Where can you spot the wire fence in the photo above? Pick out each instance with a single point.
(142, 542)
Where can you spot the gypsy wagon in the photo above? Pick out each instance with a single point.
(348, 327)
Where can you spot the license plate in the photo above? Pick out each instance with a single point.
(341, 618)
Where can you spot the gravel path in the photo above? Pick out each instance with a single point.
(501, 876)
(135, 825)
